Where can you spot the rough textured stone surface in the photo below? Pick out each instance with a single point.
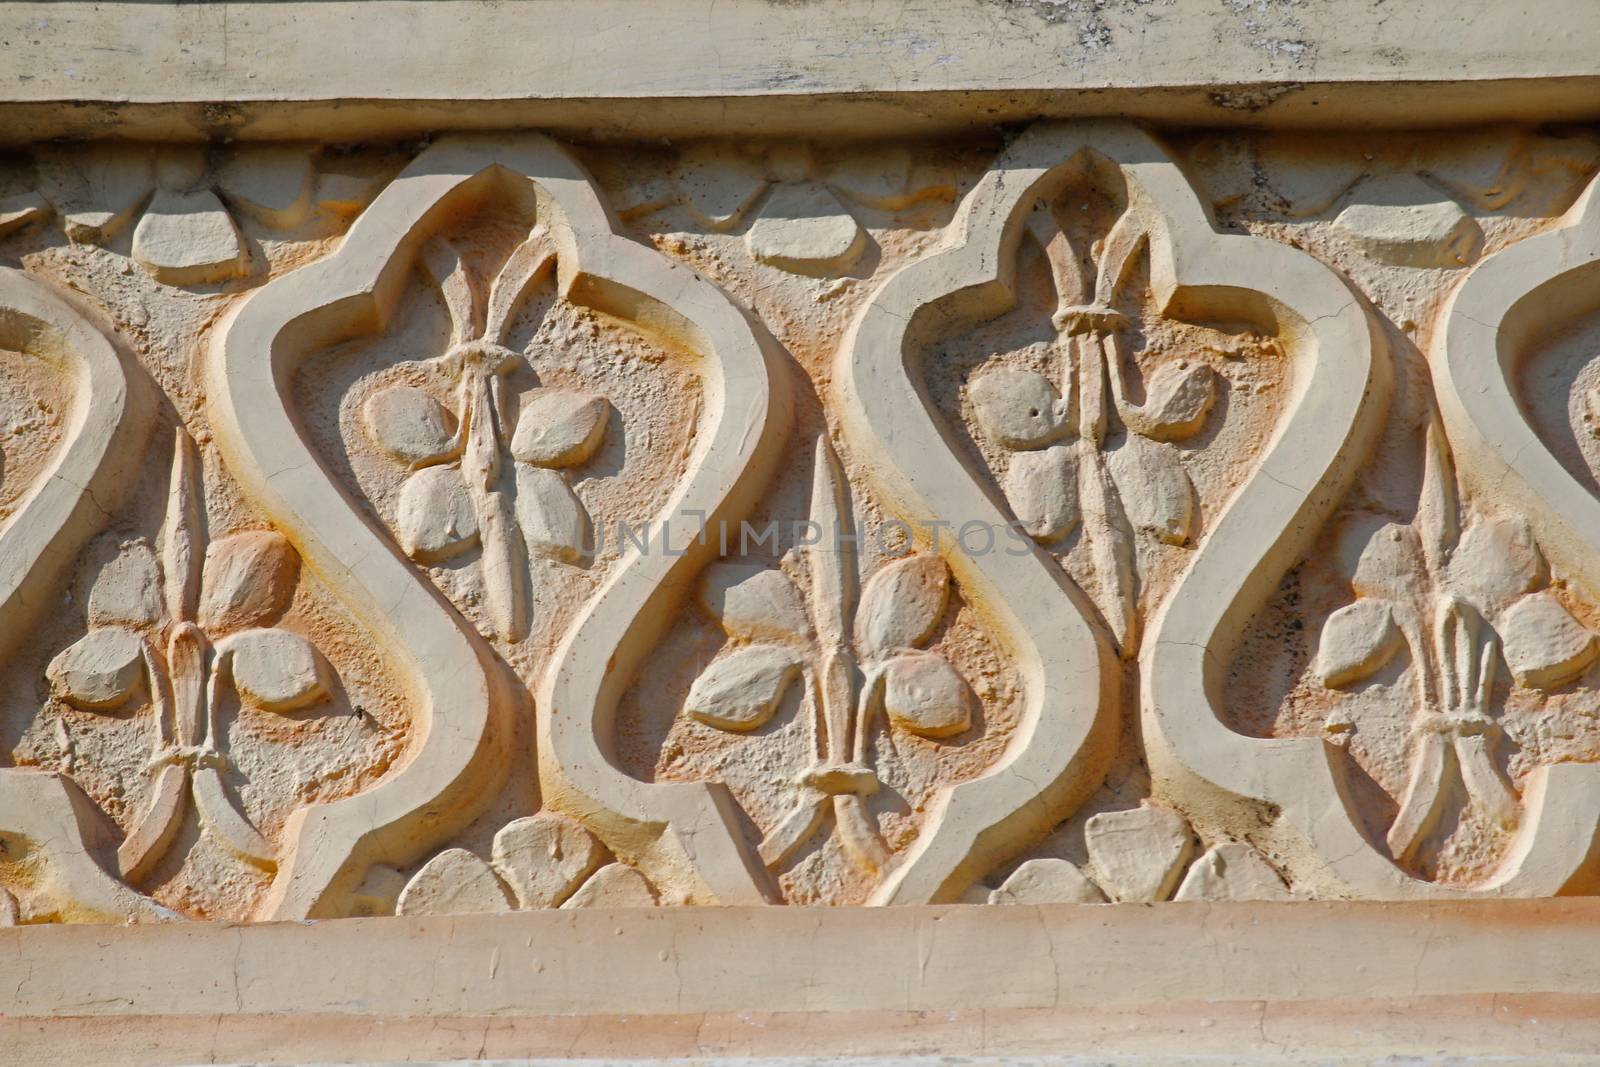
(790, 491)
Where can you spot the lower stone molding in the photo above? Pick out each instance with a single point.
(1250, 982)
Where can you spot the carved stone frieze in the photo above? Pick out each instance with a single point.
(1088, 514)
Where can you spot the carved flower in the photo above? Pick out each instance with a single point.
(455, 500)
(1061, 477)
(775, 640)
(1451, 595)
(181, 208)
(803, 224)
(539, 861)
(188, 627)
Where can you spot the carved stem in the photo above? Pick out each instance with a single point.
(504, 575)
(833, 586)
(182, 550)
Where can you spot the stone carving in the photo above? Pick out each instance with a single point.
(1459, 596)
(764, 613)
(1132, 445)
(454, 500)
(540, 861)
(183, 232)
(1143, 856)
(803, 224)
(64, 842)
(193, 624)
(1060, 477)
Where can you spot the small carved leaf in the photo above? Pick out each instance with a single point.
(1020, 409)
(753, 601)
(1496, 561)
(901, 604)
(127, 590)
(1138, 854)
(436, 516)
(1232, 871)
(804, 229)
(559, 428)
(247, 580)
(927, 696)
(455, 882)
(545, 857)
(741, 690)
(1544, 645)
(277, 670)
(410, 425)
(1156, 493)
(1042, 488)
(1391, 565)
(1357, 640)
(553, 520)
(98, 671)
(1048, 881)
(1177, 400)
(616, 885)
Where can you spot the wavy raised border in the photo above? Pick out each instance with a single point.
(95, 463)
(1068, 730)
(1507, 303)
(459, 756)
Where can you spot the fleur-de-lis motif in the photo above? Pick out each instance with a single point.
(455, 498)
(859, 659)
(190, 625)
(1061, 477)
(1452, 594)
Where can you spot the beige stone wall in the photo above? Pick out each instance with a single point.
(917, 483)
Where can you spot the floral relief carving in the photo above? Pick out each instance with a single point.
(1460, 597)
(189, 626)
(863, 661)
(1214, 584)
(455, 500)
(1062, 475)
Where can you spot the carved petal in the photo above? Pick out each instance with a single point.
(247, 580)
(615, 885)
(1048, 881)
(410, 425)
(1157, 495)
(559, 428)
(188, 239)
(99, 670)
(1404, 221)
(436, 516)
(545, 857)
(1544, 645)
(1391, 564)
(454, 882)
(277, 670)
(1496, 561)
(741, 690)
(127, 590)
(804, 229)
(752, 601)
(901, 604)
(1018, 408)
(1042, 489)
(926, 695)
(1357, 640)
(1138, 854)
(1232, 871)
(1177, 400)
(554, 522)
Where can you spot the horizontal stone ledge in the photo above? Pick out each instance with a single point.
(1475, 977)
(707, 960)
(846, 67)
